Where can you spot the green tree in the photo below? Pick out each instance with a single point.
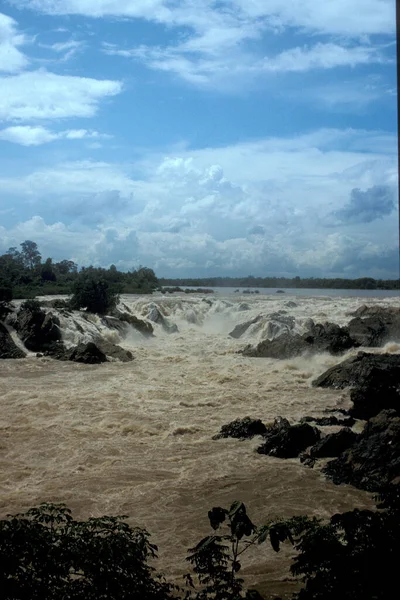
(93, 292)
(30, 254)
(46, 555)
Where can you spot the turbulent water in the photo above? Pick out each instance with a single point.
(135, 438)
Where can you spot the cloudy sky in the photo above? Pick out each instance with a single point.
(201, 137)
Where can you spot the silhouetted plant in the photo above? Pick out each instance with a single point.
(46, 555)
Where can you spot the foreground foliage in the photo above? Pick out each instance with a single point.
(45, 554)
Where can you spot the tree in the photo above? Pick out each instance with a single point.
(30, 254)
(47, 271)
(94, 293)
(46, 555)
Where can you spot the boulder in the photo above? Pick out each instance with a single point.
(329, 421)
(242, 428)
(373, 326)
(375, 379)
(156, 316)
(144, 327)
(241, 328)
(114, 323)
(333, 444)
(288, 441)
(373, 461)
(320, 338)
(37, 329)
(88, 353)
(114, 351)
(8, 348)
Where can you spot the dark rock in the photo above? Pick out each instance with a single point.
(87, 353)
(307, 460)
(329, 421)
(241, 328)
(291, 304)
(114, 323)
(242, 428)
(37, 329)
(243, 306)
(144, 327)
(114, 351)
(8, 349)
(375, 379)
(373, 326)
(287, 441)
(373, 461)
(156, 316)
(334, 443)
(320, 338)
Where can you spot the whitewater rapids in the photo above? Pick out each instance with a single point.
(135, 438)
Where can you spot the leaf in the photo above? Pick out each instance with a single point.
(216, 516)
(236, 566)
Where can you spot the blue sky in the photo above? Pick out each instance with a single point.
(201, 137)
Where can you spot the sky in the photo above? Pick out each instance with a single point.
(201, 137)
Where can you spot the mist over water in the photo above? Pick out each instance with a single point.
(135, 438)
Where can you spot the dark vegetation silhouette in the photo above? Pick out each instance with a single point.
(23, 274)
(45, 554)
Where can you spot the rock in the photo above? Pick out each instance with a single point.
(114, 323)
(320, 338)
(287, 441)
(241, 328)
(373, 326)
(329, 421)
(8, 348)
(142, 326)
(291, 304)
(156, 316)
(242, 428)
(243, 306)
(37, 329)
(333, 444)
(87, 353)
(375, 379)
(114, 351)
(373, 461)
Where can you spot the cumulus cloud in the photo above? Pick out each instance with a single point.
(261, 207)
(11, 58)
(27, 135)
(52, 96)
(367, 206)
(216, 44)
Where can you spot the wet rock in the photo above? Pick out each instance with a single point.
(288, 441)
(375, 379)
(88, 353)
(242, 428)
(8, 348)
(156, 316)
(114, 323)
(333, 444)
(320, 338)
(291, 304)
(37, 329)
(144, 327)
(241, 328)
(243, 306)
(114, 351)
(373, 326)
(329, 421)
(373, 461)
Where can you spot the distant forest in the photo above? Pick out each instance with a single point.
(363, 283)
(24, 274)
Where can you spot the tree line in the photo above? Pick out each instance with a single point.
(24, 274)
(362, 283)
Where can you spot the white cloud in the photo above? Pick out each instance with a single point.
(11, 58)
(207, 205)
(27, 135)
(52, 96)
(357, 17)
(67, 49)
